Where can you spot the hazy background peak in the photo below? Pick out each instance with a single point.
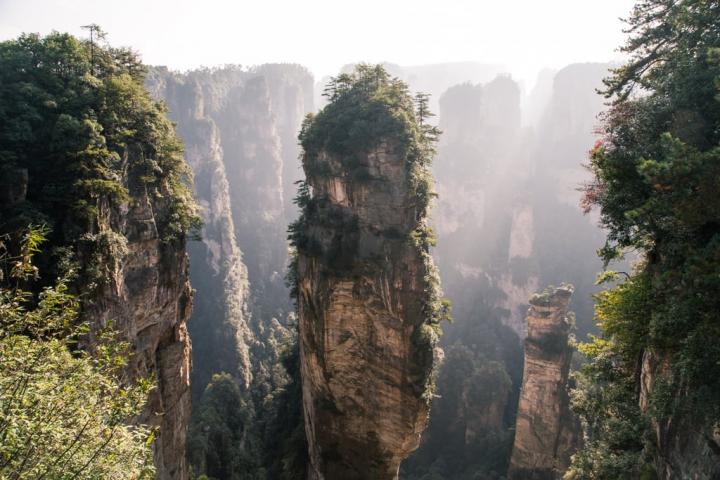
(524, 36)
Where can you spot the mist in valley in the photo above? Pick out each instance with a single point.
(394, 259)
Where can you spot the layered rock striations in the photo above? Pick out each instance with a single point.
(367, 298)
(136, 282)
(546, 433)
(148, 299)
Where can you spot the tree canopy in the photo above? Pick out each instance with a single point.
(656, 182)
(79, 121)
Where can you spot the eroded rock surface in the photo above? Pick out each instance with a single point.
(147, 298)
(362, 288)
(545, 432)
(684, 448)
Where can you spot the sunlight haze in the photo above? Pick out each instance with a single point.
(323, 35)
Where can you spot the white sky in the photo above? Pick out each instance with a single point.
(523, 35)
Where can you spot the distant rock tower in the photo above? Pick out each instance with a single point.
(546, 432)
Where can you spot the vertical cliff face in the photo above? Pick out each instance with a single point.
(363, 386)
(240, 129)
(253, 162)
(366, 295)
(147, 298)
(223, 336)
(545, 432)
(291, 98)
(138, 284)
(101, 168)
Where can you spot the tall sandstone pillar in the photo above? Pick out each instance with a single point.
(545, 430)
(366, 288)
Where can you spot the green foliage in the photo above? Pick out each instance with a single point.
(63, 411)
(216, 441)
(230, 438)
(475, 380)
(605, 398)
(657, 178)
(286, 447)
(88, 133)
(366, 108)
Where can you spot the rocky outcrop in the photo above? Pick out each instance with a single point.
(101, 172)
(135, 282)
(148, 299)
(360, 305)
(683, 448)
(546, 431)
(367, 292)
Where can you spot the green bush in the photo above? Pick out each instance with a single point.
(64, 412)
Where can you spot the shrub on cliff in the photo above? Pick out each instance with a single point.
(63, 412)
(657, 178)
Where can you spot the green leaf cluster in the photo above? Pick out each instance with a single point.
(80, 121)
(64, 411)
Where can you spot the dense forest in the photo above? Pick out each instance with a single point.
(96, 208)
(420, 272)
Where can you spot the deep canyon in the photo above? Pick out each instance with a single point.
(425, 272)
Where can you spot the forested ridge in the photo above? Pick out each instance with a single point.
(84, 150)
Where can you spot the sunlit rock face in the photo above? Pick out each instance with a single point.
(360, 298)
(546, 432)
(147, 299)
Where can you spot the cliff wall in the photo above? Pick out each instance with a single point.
(360, 306)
